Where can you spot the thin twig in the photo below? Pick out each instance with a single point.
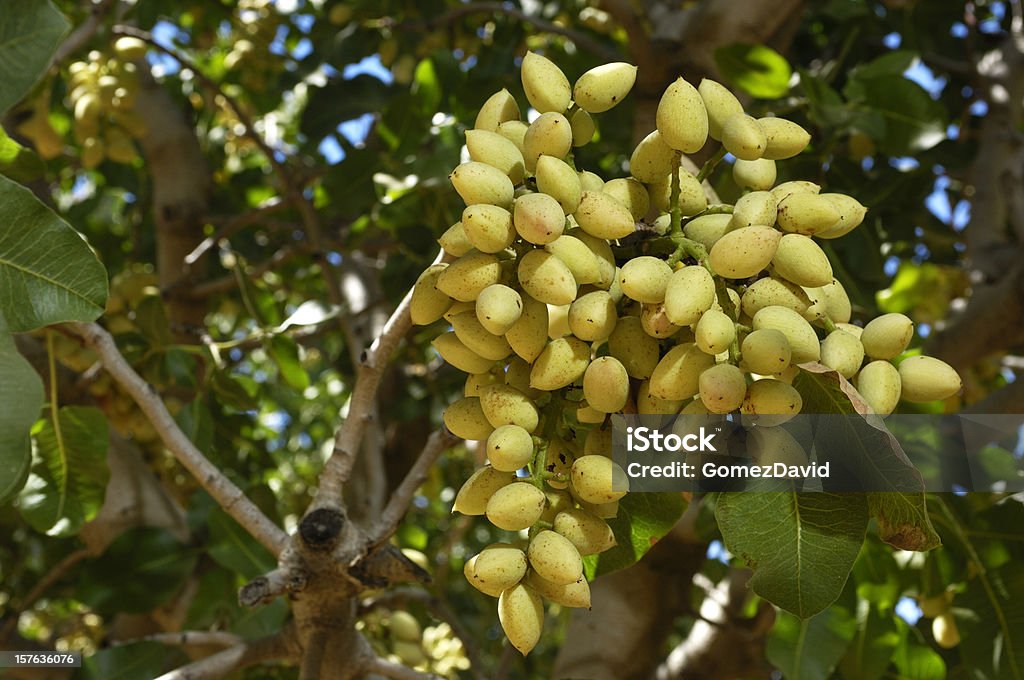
(223, 490)
(51, 577)
(234, 658)
(230, 228)
(582, 40)
(398, 504)
(397, 671)
(189, 638)
(364, 396)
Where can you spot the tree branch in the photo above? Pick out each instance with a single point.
(190, 638)
(233, 659)
(313, 655)
(272, 585)
(582, 40)
(438, 442)
(231, 227)
(223, 490)
(83, 33)
(364, 396)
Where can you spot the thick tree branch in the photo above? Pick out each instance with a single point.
(721, 644)
(313, 655)
(223, 490)
(993, 319)
(362, 403)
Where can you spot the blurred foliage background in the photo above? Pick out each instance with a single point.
(239, 107)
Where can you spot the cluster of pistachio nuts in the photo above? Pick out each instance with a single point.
(561, 314)
(102, 91)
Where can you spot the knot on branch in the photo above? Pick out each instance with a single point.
(321, 528)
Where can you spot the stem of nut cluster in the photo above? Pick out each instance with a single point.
(710, 165)
(675, 226)
(540, 453)
(719, 209)
(687, 247)
(829, 324)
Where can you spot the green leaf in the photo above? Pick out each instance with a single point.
(801, 546)
(990, 614)
(130, 662)
(17, 162)
(880, 463)
(232, 547)
(47, 272)
(642, 520)
(29, 35)
(21, 398)
(810, 648)
(285, 353)
(758, 70)
(141, 569)
(873, 645)
(914, 121)
(893, 63)
(69, 477)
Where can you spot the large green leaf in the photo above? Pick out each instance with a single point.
(30, 31)
(809, 649)
(140, 570)
(801, 546)
(758, 70)
(233, 547)
(21, 398)
(643, 519)
(879, 462)
(47, 272)
(69, 477)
